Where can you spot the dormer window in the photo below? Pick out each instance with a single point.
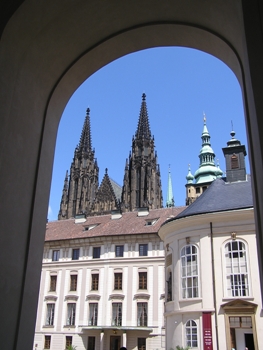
(90, 227)
(150, 222)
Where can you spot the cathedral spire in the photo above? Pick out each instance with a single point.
(143, 129)
(142, 179)
(170, 197)
(85, 138)
(64, 199)
(80, 190)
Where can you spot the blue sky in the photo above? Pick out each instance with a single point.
(180, 84)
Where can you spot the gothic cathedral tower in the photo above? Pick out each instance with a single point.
(142, 180)
(80, 190)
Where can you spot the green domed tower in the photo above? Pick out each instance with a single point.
(207, 172)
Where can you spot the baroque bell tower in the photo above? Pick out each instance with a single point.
(142, 179)
(80, 189)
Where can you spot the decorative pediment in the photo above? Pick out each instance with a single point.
(144, 296)
(93, 297)
(239, 306)
(72, 297)
(50, 298)
(116, 296)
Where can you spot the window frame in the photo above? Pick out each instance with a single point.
(68, 341)
(55, 254)
(91, 343)
(117, 280)
(75, 253)
(142, 314)
(50, 314)
(95, 278)
(189, 280)
(169, 295)
(53, 283)
(119, 248)
(116, 319)
(96, 252)
(141, 343)
(143, 249)
(237, 277)
(47, 341)
(93, 314)
(142, 279)
(191, 331)
(71, 314)
(234, 162)
(73, 282)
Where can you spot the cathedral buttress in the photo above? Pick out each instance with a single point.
(142, 179)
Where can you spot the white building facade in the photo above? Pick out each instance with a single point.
(214, 300)
(102, 283)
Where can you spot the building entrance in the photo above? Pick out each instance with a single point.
(115, 342)
(242, 333)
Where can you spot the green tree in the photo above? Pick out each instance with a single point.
(71, 347)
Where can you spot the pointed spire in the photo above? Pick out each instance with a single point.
(66, 181)
(143, 129)
(85, 138)
(170, 197)
(207, 170)
(189, 176)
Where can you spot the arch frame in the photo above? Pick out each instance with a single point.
(37, 79)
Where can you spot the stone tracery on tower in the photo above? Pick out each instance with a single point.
(142, 179)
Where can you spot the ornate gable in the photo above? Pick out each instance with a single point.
(105, 200)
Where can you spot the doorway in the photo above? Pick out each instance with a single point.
(249, 341)
(115, 342)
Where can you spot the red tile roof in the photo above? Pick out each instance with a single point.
(129, 223)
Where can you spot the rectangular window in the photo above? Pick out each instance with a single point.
(142, 314)
(119, 251)
(116, 314)
(95, 281)
(141, 343)
(75, 254)
(142, 280)
(91, 343)
(236, 269)
(53, 283)
(50, 314)
(55, 255)
(68, 341)
(73, 282)
(239, 285)
(47, 342)
(71, 314)
(118, 281)
(169, 288)
(143, 249)
(96, 252)
(93, 314)
(189, 272)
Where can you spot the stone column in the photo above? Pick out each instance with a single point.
(101, 339)
(124, 339)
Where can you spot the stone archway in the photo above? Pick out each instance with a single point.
(47, 50)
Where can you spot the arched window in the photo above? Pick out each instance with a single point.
(234, 162)
(189, 272)
(236, 269)
(191, 334)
